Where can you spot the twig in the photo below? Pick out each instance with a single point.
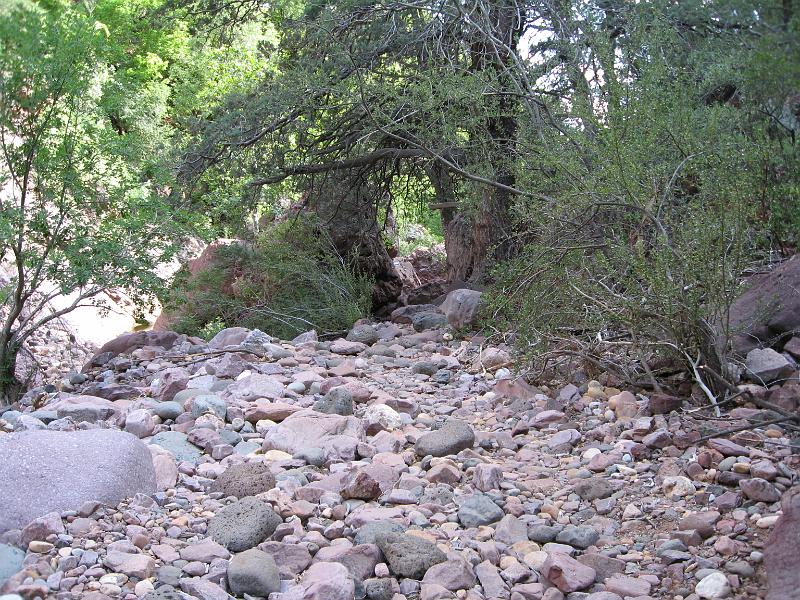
(747, 427)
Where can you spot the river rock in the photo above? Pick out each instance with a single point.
(71, 468)
(453, 437)
(243, 524)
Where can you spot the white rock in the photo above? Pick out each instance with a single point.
(678, 486)
(713, 587)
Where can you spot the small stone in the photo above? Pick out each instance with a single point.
(713, 587)
(253, 572)
(759, 490)
(243, 524)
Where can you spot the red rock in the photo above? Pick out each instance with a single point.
(780, 552)
(661, 404)
(566, 573)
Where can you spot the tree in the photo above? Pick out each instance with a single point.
(75, 219)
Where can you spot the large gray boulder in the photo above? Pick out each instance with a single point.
(461, 307)
(44, 471)
(453, 437)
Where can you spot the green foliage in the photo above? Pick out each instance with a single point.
(288, 281)
(76, 217)
(658, 203)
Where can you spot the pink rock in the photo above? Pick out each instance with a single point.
(444, 473)
(338, 436)
(627, 586)
(566, 573)
(133, 565)
(292, 559)
(169, 382)
(165, 467)
(39, 529)
(547, 417)
(140, 423)
(487, 477)
(203, 589)
(327, 581)
(780, 551)
(759, 490)
(727, 447)
(204, 551)
(452, 575)
(274, 411)
(342, 346)
(359, 560)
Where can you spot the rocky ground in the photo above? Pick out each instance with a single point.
(395, 464)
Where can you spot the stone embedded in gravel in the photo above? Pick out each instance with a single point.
(727, 447)
(41, 527)
(408, 555)
(346, 348)
(461, 307)
(593, 488)
(453, 437)
(178, 445)
(370, 532)
(140, 423)
(452, 575)
(579, 537)
(428, 320)
(208, 403)
(510, 530)
(359, 560)
(487, 477)
(542, 533)
(292, 559)
(338, 401)
(253, 572)
(491, 581)
(70, 468)
(478, 510)
(245, 479)
(364, 334)
(567, 437)
(203, 589)
(627, 586)
(243, 524)
(255, 386)
(338, 436)
(759, 490)
(204, 551)
(132, 565)
(326, 581)
(766, 365)
(566, 573)
(714, 586)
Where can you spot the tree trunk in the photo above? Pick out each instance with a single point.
(10, 386)
(348, 211)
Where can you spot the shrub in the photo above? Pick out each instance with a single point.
(657, 210)
(288, 280)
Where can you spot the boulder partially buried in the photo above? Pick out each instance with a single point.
(246, 479)
(337, 435)
(45, 471)
(243, 524)
(453, 437)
